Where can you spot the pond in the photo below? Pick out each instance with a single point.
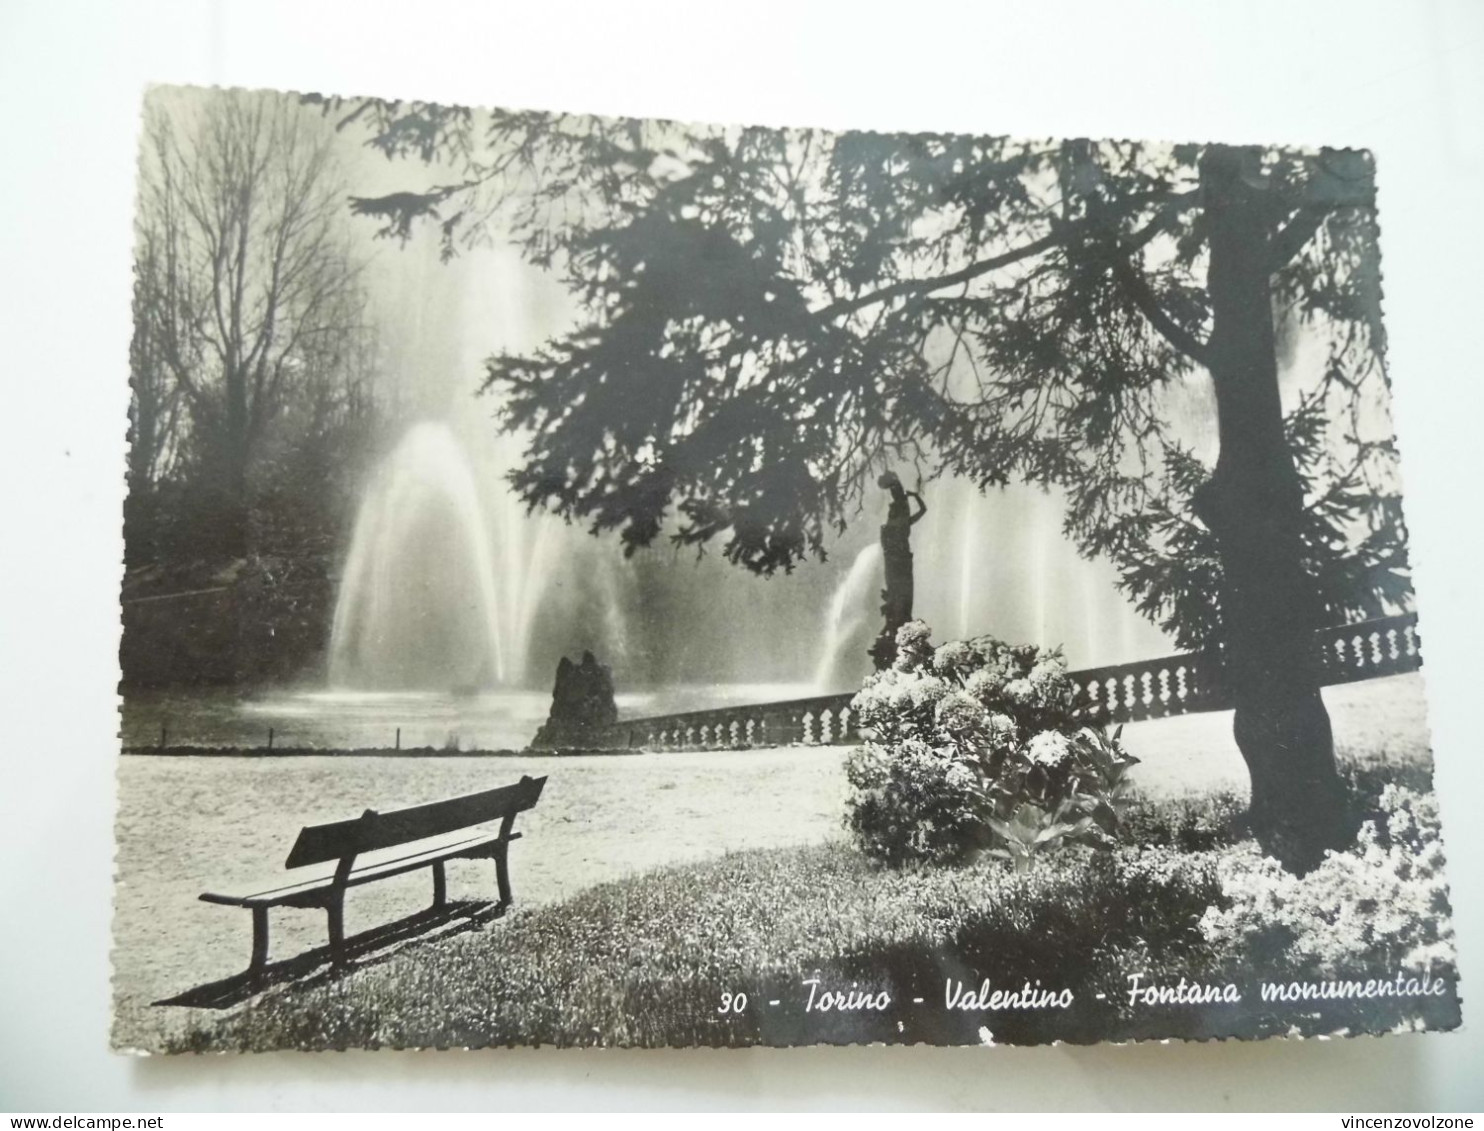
(326, 719)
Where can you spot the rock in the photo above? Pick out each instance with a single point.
(581, 706)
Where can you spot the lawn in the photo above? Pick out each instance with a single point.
(652, 960)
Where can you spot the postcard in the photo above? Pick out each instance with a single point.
(612, 582)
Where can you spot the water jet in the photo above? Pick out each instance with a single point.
(418, 606)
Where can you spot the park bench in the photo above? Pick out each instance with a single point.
(425, 836)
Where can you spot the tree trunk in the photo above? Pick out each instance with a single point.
(1253, 505)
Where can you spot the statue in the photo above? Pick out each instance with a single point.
(896, 560)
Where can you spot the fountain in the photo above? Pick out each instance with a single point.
(994, 563)
(418, 607)
(852, 608)
(998, 562)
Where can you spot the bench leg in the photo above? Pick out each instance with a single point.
(259, 939)
(335, 911)
(502, 871)
(440, 885)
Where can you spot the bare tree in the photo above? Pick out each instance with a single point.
(251, 279)
(154, 410)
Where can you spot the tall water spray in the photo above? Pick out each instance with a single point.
(851, 608)
(998, 562)
(994, 563)
(418, 607)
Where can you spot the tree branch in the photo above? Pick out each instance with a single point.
(1338, 178)
(1288, 242)
(939, 282)
(1061, 234)
(1144, 298)
(1131, 277)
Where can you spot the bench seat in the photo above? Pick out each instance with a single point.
(308, 892)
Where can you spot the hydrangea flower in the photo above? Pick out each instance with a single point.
(1020, 691)
(960, 714)
(1048, 749)
(953, 657)
(1001, 730)
(914, 646)
(1048, 671)
(927, 692)
(983, 686)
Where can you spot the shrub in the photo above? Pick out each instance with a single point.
(1198, 823)
(1382, 904)
(978, 746)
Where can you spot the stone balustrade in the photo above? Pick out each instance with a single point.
(822, 720)
(1146, 689)
(1372, 648)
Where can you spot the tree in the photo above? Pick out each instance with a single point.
(250, 285)
(154, 406)
(154, 409)
(773, 316)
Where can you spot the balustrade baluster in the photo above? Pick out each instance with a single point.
(1087, 692)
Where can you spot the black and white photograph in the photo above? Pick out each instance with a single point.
(598, 581)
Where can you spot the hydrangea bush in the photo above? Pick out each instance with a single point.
(1380, 905)
(979, 746)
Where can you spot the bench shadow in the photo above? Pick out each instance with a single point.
(369, 948)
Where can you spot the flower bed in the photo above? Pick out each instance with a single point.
(980, 746)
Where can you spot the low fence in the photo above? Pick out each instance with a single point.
(1147, 689)
(1189, 682)
(824, 719)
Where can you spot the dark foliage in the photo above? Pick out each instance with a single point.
(776, 315)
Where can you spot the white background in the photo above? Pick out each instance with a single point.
(1404, 79)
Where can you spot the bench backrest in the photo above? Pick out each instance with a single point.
(340, 840)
